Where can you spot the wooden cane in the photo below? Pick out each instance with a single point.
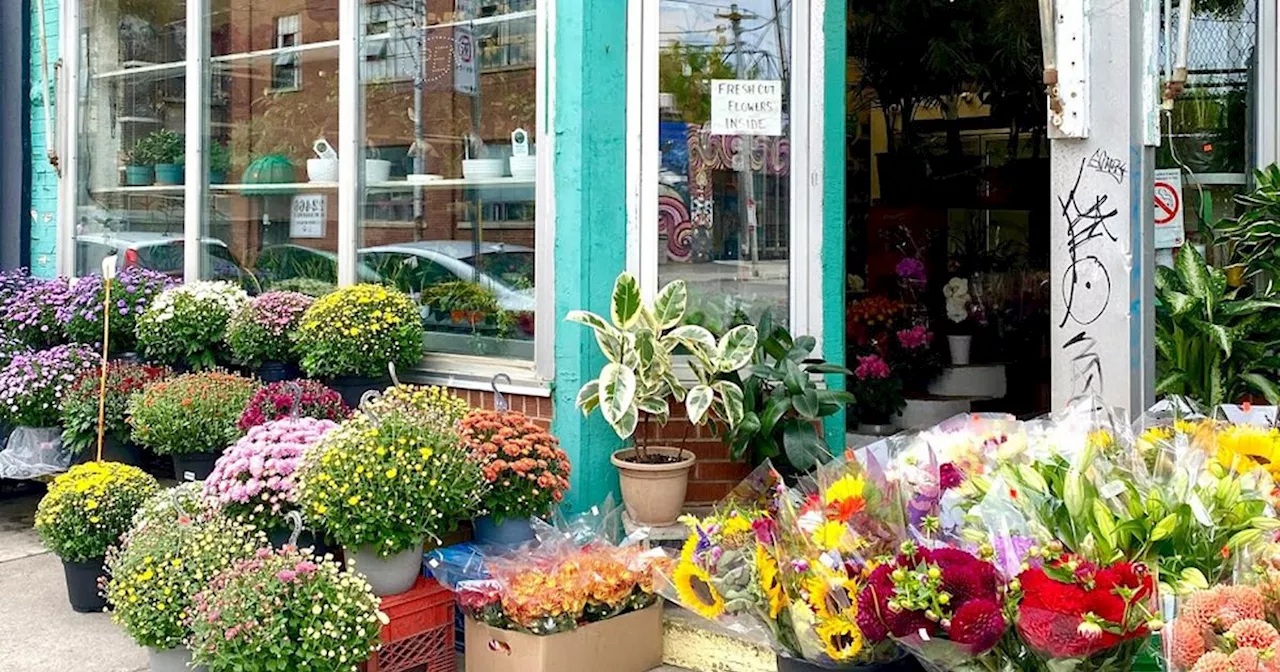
(102, 365)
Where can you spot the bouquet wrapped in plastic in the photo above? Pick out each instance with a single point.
(557, 583)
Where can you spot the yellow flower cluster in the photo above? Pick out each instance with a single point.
(428, 403)
(168, 558)
(388, 482)
(87, 509)
(357, 330)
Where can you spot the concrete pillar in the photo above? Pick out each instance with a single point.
(1101, 212)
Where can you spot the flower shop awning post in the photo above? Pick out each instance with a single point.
(1101, 239)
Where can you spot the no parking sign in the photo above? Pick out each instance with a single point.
(1168, 204)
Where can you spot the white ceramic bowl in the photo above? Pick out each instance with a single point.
(524, 167)
(377, 170)
(322, 170)
(474, 169)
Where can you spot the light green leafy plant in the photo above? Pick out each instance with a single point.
(640, 341)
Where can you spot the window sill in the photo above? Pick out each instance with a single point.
(477, 373)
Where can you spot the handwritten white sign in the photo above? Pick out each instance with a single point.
(308, 216)
(746, 107)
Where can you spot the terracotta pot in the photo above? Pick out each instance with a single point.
(654, 493)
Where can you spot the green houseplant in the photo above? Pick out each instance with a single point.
(84, 513)
(219, 163)
(783, 402)
(1253, 238)
(1212, 345)
(168, 150)
(140, 164)
(639, 383)
(192, 417)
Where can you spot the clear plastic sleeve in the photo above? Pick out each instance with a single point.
(33, 452)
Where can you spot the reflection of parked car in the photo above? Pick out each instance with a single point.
(287, 261)
(155, 251)
(501, 268)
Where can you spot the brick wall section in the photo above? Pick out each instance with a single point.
(713, 476)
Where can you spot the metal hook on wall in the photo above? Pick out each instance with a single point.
(499, 401)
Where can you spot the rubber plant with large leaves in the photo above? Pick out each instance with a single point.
(639, 382)
(1214, 344)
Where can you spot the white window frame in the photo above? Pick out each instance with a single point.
(806, 175)
(528, 377)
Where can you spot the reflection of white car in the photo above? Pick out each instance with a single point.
(153, 250)
(502, 268)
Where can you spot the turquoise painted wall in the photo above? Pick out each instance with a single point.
(44, 181)
(590, 219)
(833, 194)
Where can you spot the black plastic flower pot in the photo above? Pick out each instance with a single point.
(130, 356)
(351, 388)
(194, 466)
(82, 585)
(274, 371)
(113, 450)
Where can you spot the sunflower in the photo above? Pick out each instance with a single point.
(735, 524)
(832, 595)
(829, 535)
(690, 548)
(848, 487)
(841, 638)
(770, 584)
(1245, 447)
(693, 585)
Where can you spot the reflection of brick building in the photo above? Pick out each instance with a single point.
(283, 100)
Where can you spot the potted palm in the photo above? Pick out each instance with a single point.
(638, 384)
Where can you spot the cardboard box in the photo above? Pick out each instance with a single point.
(629, 643)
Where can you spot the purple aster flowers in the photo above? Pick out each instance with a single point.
(32, 385)
(131, 293)
(31, 313)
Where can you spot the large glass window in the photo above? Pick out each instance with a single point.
(724, 175)
(272, 116)
(450, 165)
(129, 191)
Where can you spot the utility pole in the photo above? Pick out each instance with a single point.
(746, 179)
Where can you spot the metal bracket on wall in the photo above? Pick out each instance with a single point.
(1072, 41)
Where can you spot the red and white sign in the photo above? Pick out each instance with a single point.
(466, 76)
(1170, 230)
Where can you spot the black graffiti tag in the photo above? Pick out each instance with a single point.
(1086, 284)
(1106, 164)
(1086, 366)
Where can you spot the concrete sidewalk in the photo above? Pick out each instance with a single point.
(38, 630)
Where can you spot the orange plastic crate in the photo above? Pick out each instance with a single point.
(419, 636)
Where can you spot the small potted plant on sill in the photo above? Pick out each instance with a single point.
(382, 483)
(878, 394)
(639, 383)
(350, 336)
(140, 164)
(80, 413)
(302, 398)
(168, 151)
(185, 327)
(86, 511)
(285, 610)
(260, 336)
(191, 417)
(783, 403)
(526, 469)
(175, 547)
(463, 304)
(219, 163)
(32, 388)
(255, 479)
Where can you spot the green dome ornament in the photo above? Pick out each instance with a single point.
(267, 170)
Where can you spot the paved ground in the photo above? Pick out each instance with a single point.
(40, 631)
